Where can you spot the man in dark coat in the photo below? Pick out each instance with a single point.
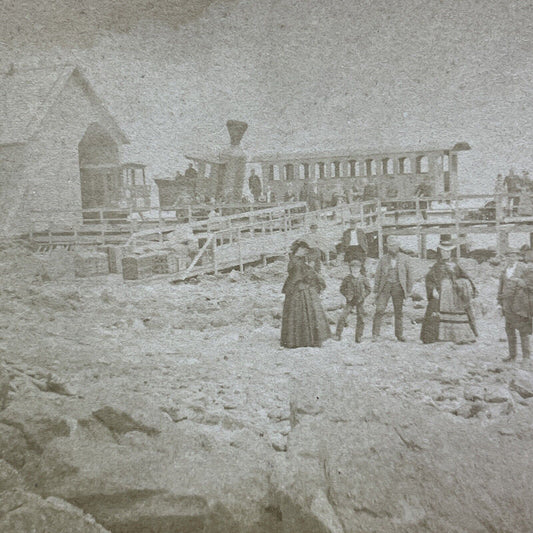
(424, 191)
(513, 186)
(191, 178)
(513, 303)
(254, 184)
(393, 280)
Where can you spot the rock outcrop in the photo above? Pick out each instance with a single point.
(363, 461)
(24, 512)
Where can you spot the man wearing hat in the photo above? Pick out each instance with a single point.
(393, 280)
(513, 303)
(349, 235)
(353, 238)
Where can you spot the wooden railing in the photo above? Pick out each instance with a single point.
(233, 246)
(458, 215)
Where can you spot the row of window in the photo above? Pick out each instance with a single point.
(368, 167)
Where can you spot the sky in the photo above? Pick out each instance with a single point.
(305, 75)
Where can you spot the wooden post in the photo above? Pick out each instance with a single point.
(380, 228)
(457, 213)
(286, 235)
(503, 242)
(423, 245)
(215, 264)
(241, 263)
(499, 218)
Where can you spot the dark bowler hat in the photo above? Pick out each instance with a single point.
(355, 253)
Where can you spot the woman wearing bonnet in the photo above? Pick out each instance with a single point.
(303, 322)
(449, 291)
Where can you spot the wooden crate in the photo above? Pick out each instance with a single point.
(114, 257)
(88, 264)
(164, 263)
(138, 266)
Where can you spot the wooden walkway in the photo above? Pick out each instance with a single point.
(463, 215)
(235, 240)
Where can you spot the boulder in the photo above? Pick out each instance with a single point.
(25, 512)
(473, 393)
(120, 422)
(166, 477)
(4, 387)
(13, 446)
(389, 464)
(9, 477)
(522, 383)
(498, 395)
(37, 425)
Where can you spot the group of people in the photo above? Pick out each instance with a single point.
(450, 291)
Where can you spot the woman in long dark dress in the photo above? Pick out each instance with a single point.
(449, 289)
(304, 322)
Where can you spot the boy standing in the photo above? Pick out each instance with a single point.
(355, 289)
(513, 303)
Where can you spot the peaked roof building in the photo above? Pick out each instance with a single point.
(27, 96)
(60, 147)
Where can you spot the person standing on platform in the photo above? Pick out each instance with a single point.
(191, 178)
(355, 288)
(393, 280)
(513, 304)
(254, 184)
(513, 186)
(424, 191)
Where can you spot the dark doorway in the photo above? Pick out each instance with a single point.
(99, 168)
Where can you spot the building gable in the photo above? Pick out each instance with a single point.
(29, 95)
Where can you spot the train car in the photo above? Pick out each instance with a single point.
(395, 176)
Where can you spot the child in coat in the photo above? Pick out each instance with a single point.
(355, 288)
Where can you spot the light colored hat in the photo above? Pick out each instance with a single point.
(301, 251)
(299, 248)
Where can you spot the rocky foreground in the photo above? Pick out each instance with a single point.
(171, 408)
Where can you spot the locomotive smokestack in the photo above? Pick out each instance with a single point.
(236, 130)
